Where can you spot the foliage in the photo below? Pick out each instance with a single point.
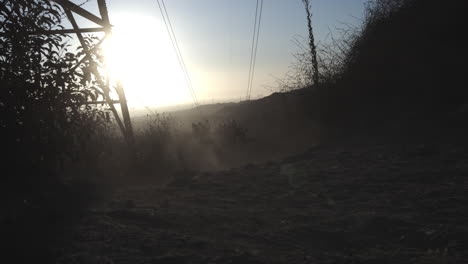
(156, 144)
(43, 119)
(401, 65)
(331, 57)
(328, 60)
(403, 68)
(381, 9)
(231, 133)
(157, 136)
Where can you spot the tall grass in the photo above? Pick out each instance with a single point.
(165, 146)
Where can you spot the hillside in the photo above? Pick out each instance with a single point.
(402, 80)
(403, 73)
(275, 126)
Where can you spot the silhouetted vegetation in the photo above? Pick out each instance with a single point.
(313, 73)
(398, 75)
(44, 121)
(166, 146)
(403, 67)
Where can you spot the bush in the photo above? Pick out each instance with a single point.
(403, 66)
(45, 126)
(165, 146)
(231, 133)
(43, 121)
(157, 145)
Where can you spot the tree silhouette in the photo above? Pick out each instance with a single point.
(44, 117)
(314, 73)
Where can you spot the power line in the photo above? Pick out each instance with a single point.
(256, 48)
(175, 45)
(252, 51)
(170, 31)
(180, 55)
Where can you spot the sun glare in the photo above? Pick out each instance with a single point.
(140, 55)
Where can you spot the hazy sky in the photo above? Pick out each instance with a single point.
(215, 39)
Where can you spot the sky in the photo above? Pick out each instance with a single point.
(215, 38)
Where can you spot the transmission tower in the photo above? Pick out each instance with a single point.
(104, 26)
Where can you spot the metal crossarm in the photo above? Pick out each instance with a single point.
(80, 11)
(68, 31)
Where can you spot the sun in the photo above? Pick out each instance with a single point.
(140, 55)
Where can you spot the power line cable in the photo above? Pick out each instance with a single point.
(254, 48)
(180, 54)
(175, 45)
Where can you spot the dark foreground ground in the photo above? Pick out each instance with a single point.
(380, 204)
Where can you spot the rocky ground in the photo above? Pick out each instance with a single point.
(379, 204)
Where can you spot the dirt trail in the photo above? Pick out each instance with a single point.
(380, 204)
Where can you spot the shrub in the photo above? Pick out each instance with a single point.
(231, 133)
(44, 120)
(404, 64)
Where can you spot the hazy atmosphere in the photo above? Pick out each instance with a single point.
(215, 38)
(233, 131)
